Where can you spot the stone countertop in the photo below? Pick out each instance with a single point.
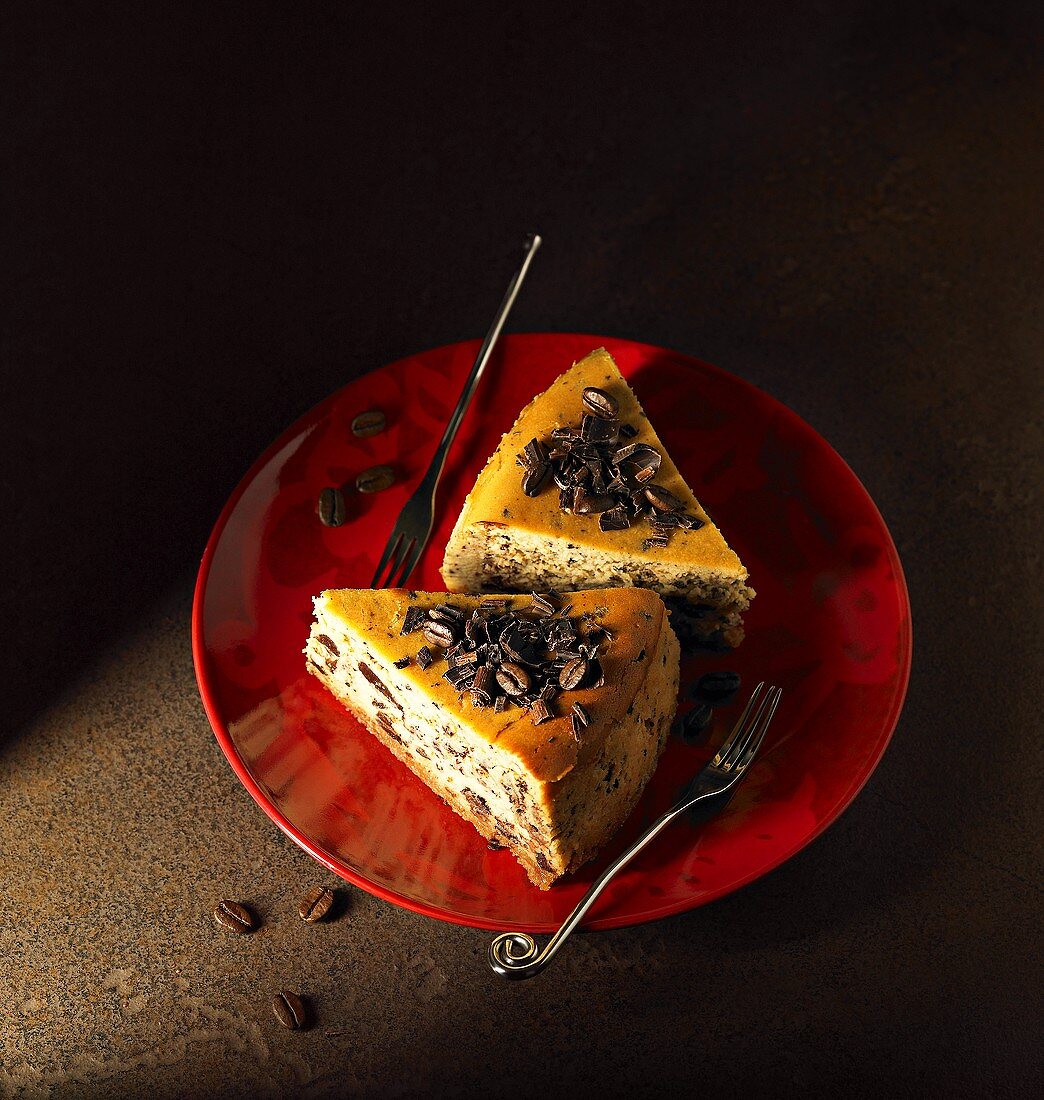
(216, 225)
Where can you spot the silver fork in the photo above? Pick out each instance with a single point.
(515, 954)
(413, 527)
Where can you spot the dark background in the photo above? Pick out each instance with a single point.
(213, 221)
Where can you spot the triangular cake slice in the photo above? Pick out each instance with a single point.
(635, 522)
(538, 719)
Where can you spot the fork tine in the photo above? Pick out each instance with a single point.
(388, 556)
(410, 554)
(752, 750)
(739, 745)
(738, 728)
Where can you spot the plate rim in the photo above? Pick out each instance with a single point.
(342, 870)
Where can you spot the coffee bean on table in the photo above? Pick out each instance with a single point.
(234, 917)
(599, 403)
(716, 688)
(375, 480)
(368, 423)
(289, 1010)
(331, 507)
(696, 721)
(316, 904)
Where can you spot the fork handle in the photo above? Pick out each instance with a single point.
(434, 471)
(515, 954)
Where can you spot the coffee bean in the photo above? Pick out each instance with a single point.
(716, 688)
(368, 423)
(696, 721)
(316, 904)
(289, 1010)
(599, 403)
(513, 678)
(660, 498)
(234, 917)
(573, 673)
(331, 507)
(439, 633)
(535, 478)
(375, 480)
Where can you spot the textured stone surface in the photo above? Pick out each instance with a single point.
(214, 226)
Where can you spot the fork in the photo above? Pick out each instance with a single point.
(413, 527)
(515, 955)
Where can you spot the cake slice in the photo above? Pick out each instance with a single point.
(581, 493)
(538, 721)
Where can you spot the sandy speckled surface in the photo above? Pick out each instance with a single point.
(216, 223)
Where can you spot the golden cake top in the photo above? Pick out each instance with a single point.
(497, 500)
(635, 618)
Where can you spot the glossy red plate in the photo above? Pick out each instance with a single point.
(831, 625)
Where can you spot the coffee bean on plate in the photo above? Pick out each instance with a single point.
(316, 904)
(234, 917)
(368, 423)
(331, 507)
(696, 721)
(289, 1010)
(375, 480)
(716, 688)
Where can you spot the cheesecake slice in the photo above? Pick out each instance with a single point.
(581, 493)
(539, 719)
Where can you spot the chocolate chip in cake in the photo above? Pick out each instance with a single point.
(535, 478)
(330, 507)
(414, 619)
(614, 519)
(661, 499)
(539, 712)
(375, 480)
(325, 640)
(368, 423)
(402, 662)
(599, 403)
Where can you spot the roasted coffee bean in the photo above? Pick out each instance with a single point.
(375, 480)
(599, 403)
(439, 633)
(716, 688)
(289, 1010)
(535, 478)
(572, 675)
(234, 917)
(696, 721)
(368, 423)
(330, 507)
(661, 499)
(316, 904)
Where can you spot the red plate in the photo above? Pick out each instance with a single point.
(831, 625)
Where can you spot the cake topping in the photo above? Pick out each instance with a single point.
(505, 657)
(596, 475)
